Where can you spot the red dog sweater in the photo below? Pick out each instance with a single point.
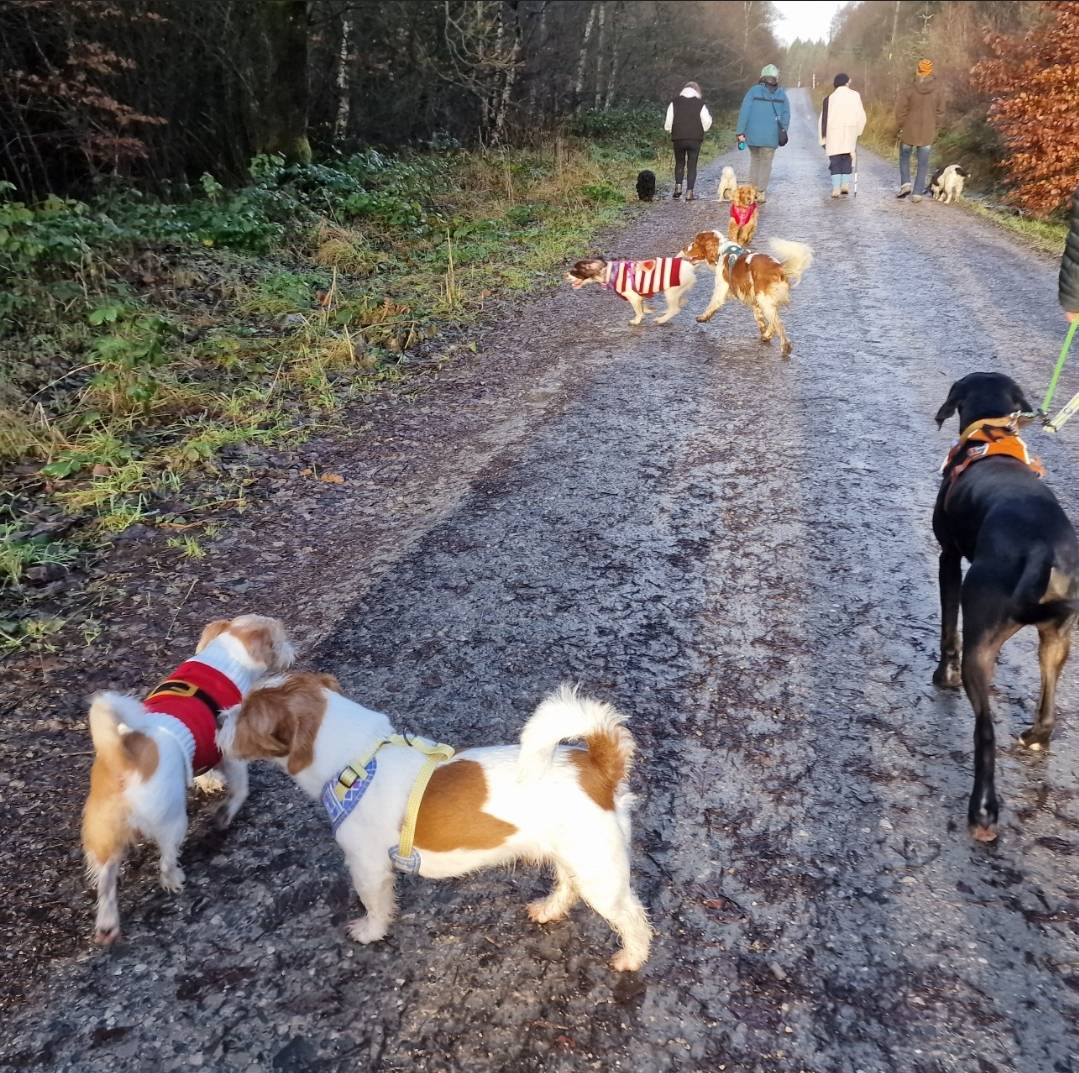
(645, 277)
(195, 694)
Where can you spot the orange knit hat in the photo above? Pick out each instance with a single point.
(925, 67)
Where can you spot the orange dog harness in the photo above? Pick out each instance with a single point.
(984, 439)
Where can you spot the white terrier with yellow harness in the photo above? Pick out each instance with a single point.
(401, 802)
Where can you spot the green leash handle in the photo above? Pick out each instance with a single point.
(1051, 389)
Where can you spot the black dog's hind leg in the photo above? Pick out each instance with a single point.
(1056, 639)
(985, 629)
(951, 581)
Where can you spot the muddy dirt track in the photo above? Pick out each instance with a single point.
(734, 549)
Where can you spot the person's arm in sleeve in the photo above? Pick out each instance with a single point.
(902, 107)
(861, 116)
(940, 106)
(706, 118)
(669, 121)
(1069, 265)
(785, 110)
(743, 114)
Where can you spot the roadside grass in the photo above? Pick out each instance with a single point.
(151, 350)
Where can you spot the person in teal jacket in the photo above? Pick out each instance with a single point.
(765, 110)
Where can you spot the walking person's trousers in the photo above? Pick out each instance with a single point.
(923, 166)
(760, 166)
(685, 162)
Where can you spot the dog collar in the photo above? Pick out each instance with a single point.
(195, 694)
(343, 793)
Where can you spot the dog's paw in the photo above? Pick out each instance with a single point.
(107, 936)
(367, 930)
(947, 676)
(545, 911)
(224, 815)
(172, 879)
(624, 961)
(703, 318)
(210, 782)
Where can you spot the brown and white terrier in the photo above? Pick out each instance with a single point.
(757, 280)
(673, 277)
(147, 752)
(742, 225)
(537, 801)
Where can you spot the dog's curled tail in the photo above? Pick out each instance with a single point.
(114, 723)
(567, 716)
(795, 257)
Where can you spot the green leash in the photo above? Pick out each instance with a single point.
(1051, 389)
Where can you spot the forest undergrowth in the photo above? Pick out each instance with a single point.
(151, 349)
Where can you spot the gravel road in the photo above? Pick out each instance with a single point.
(734, 549)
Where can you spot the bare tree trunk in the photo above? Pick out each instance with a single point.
(895, 29)
(344, 83)
(612, 70)
(600, 41)
(582, 56)
(282, 117)
(510, 74)
(534, 53)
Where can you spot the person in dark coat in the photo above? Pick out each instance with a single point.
(688, 120)
(1069, 265)
(918, 112)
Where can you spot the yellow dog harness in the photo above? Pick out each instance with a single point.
(342, 794)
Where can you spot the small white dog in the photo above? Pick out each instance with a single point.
(947, 184)
(728, 184)
(673, 277)
(147, 752)
(490, 806)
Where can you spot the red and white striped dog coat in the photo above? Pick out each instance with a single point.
(645, 277)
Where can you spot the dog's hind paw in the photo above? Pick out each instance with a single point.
(172, 880)
(1034, 739)
(624, 961)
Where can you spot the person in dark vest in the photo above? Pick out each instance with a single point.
(688, 119)
(1069, 264)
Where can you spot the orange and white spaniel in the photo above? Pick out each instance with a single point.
(537, 801)
(757, 280)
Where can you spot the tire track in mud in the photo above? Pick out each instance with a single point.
(737, 551)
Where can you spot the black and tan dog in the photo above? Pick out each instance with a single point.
(994, 511)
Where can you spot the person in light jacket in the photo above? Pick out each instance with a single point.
(918, 113)
(688, 120)
(765, 112)
(842, 120)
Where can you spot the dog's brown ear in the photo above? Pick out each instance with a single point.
(212, 631)
(951, 403)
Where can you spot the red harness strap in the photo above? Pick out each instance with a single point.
(196, 694)
(742, 214)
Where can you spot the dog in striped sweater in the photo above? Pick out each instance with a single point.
(635, 281)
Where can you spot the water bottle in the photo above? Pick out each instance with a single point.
(741, 144)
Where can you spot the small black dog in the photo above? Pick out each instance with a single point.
(646, 185)
(1024, 568)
